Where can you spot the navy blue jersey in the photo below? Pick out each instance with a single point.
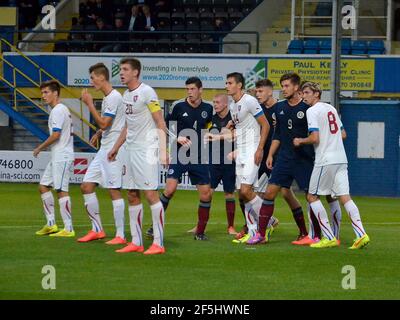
(291, 122)
(187, 117)
(271, 118)
(222, 147)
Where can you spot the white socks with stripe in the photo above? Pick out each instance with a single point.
(336, 217)
(65, 209)
(135, 219)
(158, 216)
(119, 217)
(251, 221)
(355, 218)
(48, 207)
(323, 220)
(92, 209)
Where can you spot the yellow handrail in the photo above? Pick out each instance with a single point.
(40, 69)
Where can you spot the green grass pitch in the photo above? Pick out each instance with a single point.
(216, 269)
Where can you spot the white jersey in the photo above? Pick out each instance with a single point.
(139, 104)
(323, 117)
(244, 114)
(60, 121)
(112, 107)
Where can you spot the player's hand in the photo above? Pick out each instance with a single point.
(94, 140)
(112, 155)
(184, 142)
(258, 156)
(36, 152)
(231, 155)
(165, 159)
(230, 125)
(211, 137)
(297, 142)
(86, 97)
(269, 162)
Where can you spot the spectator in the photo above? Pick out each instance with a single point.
(118, 36)
(102, 10)
(219, 26)
(28, 13)
(136, 22)
(77, 25)
(101, 36)
(88, 10)
(150, 20)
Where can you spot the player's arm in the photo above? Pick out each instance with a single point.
(162, 135)
(272, 151)
(313, 138)
(55, 135)
(344, 134)
(102, 121)
(263, 122)
(95, 138)
(120, 141)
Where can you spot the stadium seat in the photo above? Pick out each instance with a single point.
(233, 22)
(295, 47)
(163, 46)
(311, 46)
(376, 47)
(205, 6)
(359, 47)
(325, 47)
(192, 24)
(148, 45)
(177, 48)
(345, 46)
(236, 14)
(206, 24)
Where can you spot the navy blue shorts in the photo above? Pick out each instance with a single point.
(224, 173)
(284, 172)
(198, 173)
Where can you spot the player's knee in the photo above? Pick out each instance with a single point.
(85, 188)
(43, 189)
(206, 195)
(133, 197)
(245, 193)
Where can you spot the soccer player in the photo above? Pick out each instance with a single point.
(264, 95)
(185, 122)
(221, 168)
(59, 169)
(329, 176)
(101, 170)
(145, 135)
(251, 130)
(291, 163)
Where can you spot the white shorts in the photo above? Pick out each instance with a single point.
(143, 169)
(262, 183)
(331, 179)
(57, 175)
(106, 173)
(246, 170)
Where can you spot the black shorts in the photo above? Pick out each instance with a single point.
(224, 173)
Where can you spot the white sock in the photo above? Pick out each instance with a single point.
(48, 207)
(250, 219)
(322, 217)
(119, 217)
(135, 220)
(311, 232)
(355, 218)
(92, 209)
(271, 221)
(256, 203)
(65, 209)
(158, 216)
(336, 217)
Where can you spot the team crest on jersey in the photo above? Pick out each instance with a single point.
(204, 114)
(239, 107)
(300, 114)
(135, 98)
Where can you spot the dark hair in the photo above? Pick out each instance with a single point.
(313, 86)
(53, 85)
(100, 69)
(264, 83)
(134, 63)
(194, 80)
(237, 76)
(293, 77)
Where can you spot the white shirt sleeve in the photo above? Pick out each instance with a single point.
(151, 100)
(254, 107)
(312, 119)
(111, 106)
(57, 119)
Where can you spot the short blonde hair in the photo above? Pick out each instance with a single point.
(313, 86)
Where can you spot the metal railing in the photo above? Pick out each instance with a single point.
(149, 35)
(42, 74)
